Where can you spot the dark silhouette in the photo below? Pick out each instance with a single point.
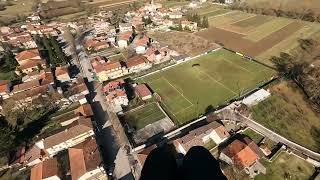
(197, 164)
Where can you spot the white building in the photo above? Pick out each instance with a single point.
(198, 137)
(77, 133)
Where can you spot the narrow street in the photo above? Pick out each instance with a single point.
(108, 129)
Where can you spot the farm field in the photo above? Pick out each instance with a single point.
(140, 118)
(286, 166)
(187, 90)
(287, 113)
(183, 42)
(257, 35)
(19, 7)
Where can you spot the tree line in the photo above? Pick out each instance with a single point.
(202, 22)
(298, 67)
(305, 14)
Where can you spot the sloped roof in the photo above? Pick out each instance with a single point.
(26, 86)
(240, 153)
(76, 128)
(27, 54)
(142, 90)
(84, 157)
(135, 60)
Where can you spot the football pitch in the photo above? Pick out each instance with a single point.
(188, 89)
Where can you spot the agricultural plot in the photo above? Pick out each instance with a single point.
(187, 90)
(256, 35)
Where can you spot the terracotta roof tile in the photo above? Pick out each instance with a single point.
(25, 86)
(85, 158)
(142, 90)
(135, 61)
(76, 128)
(27, 54)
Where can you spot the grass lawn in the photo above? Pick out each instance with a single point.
(287, 166)
(8, 76)
(253, 135)
(268, 28)
(287, 113)
(216, 78)
(270, 144)
(144, 116)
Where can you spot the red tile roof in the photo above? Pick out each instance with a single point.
(27, 54)
(45, 169)
(85, 110)
(142, 41)
(26, 86)
(125, 36)
(135, 61)
(84, 157)
(4, 86)
(242, 155)
(77, 166)
(77, 128)
(32, 63)
(142, 90)
(107, 66)
(61, 71)
(112, 85)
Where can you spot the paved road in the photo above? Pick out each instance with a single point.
(274, 136)
(108, 129)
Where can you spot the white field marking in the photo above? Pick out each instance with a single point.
(178, 91)
(155, 112)
(184, 109)
(238, 66)
(217, 81)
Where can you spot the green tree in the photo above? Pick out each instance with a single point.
(205, 22)
(7, 135)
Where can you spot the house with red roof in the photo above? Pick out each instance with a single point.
(85, 161)
(124, 39)
(62, 74)
(116, 94)
(213, 131)
(31, 66)
(28, 55)
(153, 55)
(143, 92)
(137, 63)
(5, 86)
(243, 154)
(45, 170)
(106, 70)
(73, 134)
(141, 44)
(77, 92)
(96, 45)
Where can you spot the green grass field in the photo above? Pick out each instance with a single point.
(253, 21)
(286, 166)
(188, 91)
(253, 135)
(144, 116)
(287, 113)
